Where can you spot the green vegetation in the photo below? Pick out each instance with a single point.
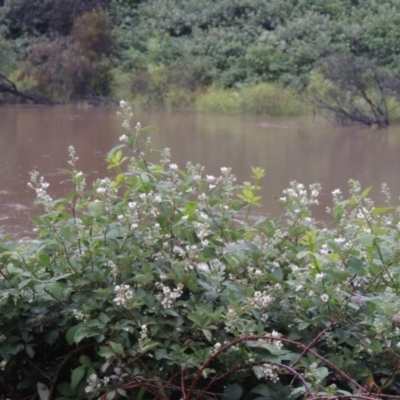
(161, 53)
(154, 284)
(263, 98)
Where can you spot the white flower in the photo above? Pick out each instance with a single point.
(100, 190)
(217, 346)
(178, 250)
(203, 267)
(339, 240)
(123, 138)
(210, 178)
(173, 166)
(324, 297)
(319, 277)
(122, 103)
(324, 250)
(225, 170)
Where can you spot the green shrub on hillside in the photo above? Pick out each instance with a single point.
(155, 284)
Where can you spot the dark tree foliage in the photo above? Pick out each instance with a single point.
(358, 91)
(46, 16)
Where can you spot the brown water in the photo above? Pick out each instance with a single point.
(305, 149)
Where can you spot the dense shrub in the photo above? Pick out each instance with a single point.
(35, 17)
(57, 67)
(92, 31)
(356, 90)
(155, 283)
(64, 67)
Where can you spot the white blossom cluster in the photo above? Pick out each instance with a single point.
(277, 343)
(104, 187)
(113, 267)
(266, 371)
(168, 296)
(143, 332)
(40, 187)
(202, 231)
(195, 171)
(79, 315)
(92, 384)
(126, 115)
(261, 300)
(143, 335)
(298, 192)
(124, 293)
(227, 181)
(231, 320)
(80, 181)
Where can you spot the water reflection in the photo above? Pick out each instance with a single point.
(304, 149)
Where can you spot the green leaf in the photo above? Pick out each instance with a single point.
(366, 192)
(29, 350)
(24, 283)
(116, 148)
(197, 319)
(122, 392)
(375, 269)
(106, 352)
(356, 265)
(81, 333)
(117, 347)
(303, 325)
(71, 332)
(207, 334)
(297, 392)
(233, 392)
(44, 259)
(381, 210)
(302, 254)
(76, 376)
(366, 240)
(248, 194)
(85, 361)
(148, 128)
(111, 395)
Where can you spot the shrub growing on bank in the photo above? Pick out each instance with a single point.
(154, 283)
(264, 98)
